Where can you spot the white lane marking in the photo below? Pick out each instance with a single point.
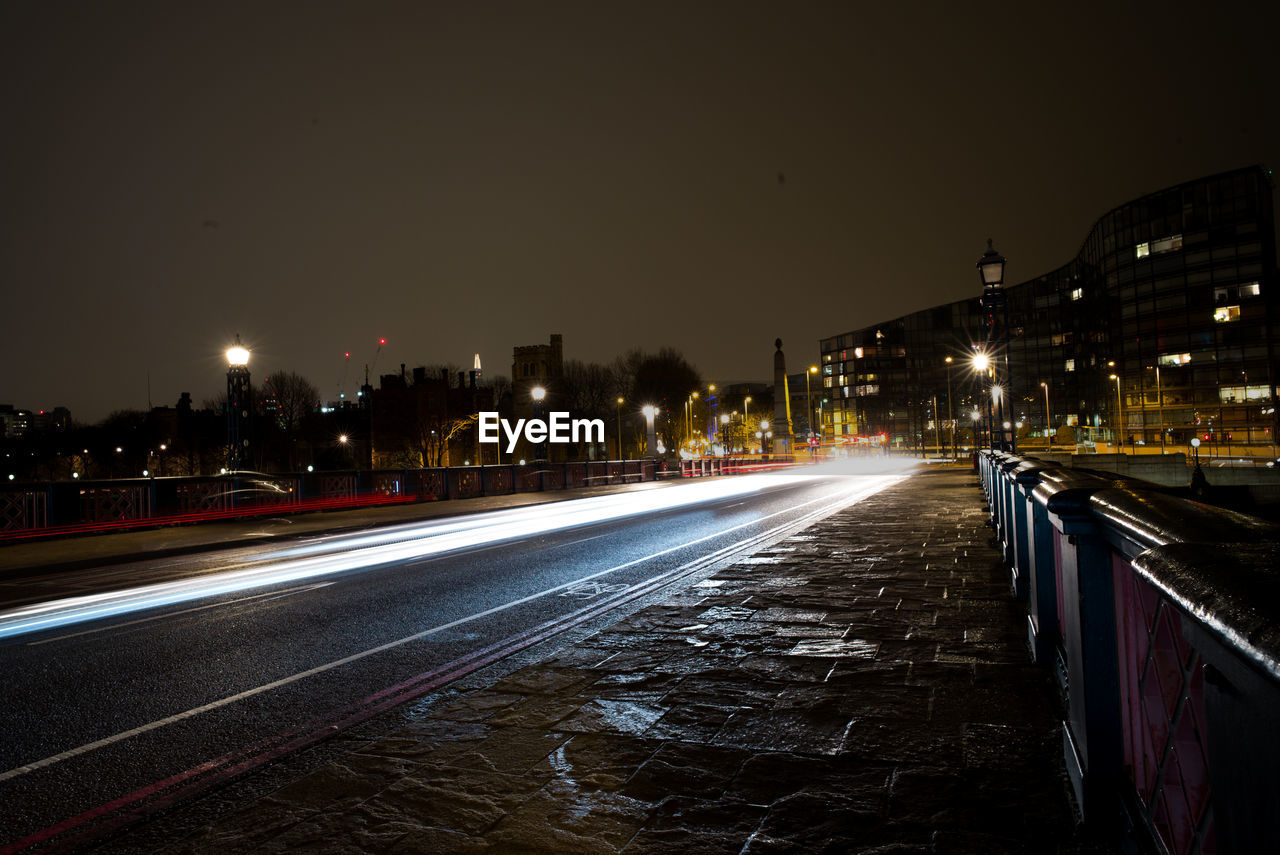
(850, 496)
(269, 595)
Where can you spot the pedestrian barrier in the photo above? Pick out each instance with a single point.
(79, 507)
(1160, 618)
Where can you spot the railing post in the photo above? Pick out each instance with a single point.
(1092, 735)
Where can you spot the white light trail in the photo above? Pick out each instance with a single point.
(385, 546)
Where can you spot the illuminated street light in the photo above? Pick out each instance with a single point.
(239, 405)
(237, 354)
(808, 399)
(1119, 411)
(650, 434)
(620, 457)
(950, 417)
(538, 394)
(1048, 420)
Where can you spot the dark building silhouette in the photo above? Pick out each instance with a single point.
(426, 421)
(1162, 328)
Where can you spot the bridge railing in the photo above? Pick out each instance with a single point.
(77, 507)
(1160, 618)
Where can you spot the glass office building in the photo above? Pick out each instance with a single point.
(1161, 329)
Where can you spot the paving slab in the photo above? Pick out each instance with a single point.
(861, 687)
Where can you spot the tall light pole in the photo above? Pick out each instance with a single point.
(651, 436)
(1119, 414)
(950, 417)
(995, 309)
(808, 397)
(724, 431)
(982, 365)
(239, 406)
(620, 457)
(538, 394)
(1160, 407)
(746, 410)
(1048, 419)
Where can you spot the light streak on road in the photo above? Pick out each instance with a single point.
(386, 546)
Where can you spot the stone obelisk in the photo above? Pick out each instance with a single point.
(781, 425)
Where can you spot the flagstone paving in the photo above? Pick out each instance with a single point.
(862, 687)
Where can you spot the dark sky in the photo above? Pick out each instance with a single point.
(465, 177)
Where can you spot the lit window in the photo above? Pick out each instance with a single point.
(1175, 359)
(1226, 314)
(1077, 293)
(1143, 250)
(1250, 289)
(1069, 365)
(1242, 394)
(857, 353)
(1168, 244)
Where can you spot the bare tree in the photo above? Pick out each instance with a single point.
(293, 398)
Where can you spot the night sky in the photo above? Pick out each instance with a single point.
(464, 177)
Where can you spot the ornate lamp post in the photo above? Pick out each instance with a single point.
(995, 310)
(982, 365)
(239, 406)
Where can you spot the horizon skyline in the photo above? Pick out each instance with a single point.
(455, 179)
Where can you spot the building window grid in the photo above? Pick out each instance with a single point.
(1176, 318)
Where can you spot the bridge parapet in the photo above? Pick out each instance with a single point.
(1160, 617)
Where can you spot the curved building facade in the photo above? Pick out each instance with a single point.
(1161, 329)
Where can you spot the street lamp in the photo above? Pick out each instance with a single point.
(1119, 413)
(982, 366)
(538, 394)
(1160, 407)
(1048, 420)
(620, 457)
(746, 409)
(995, 308)
(808, 398)
(950, 417)
(239, 405)
(649, 412)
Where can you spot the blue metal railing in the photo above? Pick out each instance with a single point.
(1160, 617)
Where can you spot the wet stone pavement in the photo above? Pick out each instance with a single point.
(861, 687)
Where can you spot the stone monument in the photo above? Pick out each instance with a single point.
(781, 424)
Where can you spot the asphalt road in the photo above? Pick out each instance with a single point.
(120, 703)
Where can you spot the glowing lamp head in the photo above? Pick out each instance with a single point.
(537, 393)
(764, 425)
(991, 267)
(980, 362)
(649, 411)
(237, 356)
(724, 420)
